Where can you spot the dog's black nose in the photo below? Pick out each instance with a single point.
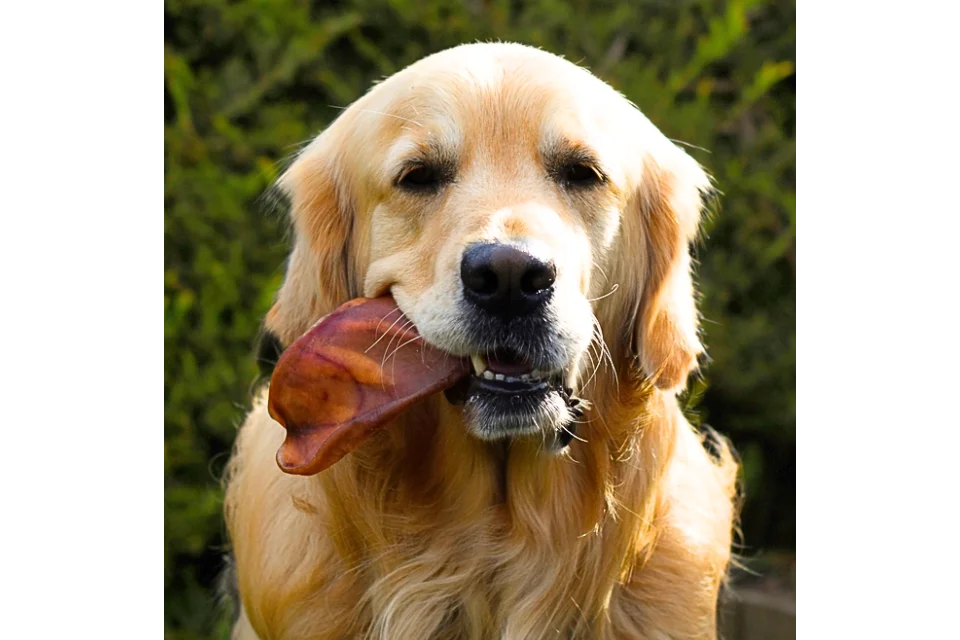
(506, 280)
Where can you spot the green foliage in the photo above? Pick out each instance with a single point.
(246, 82)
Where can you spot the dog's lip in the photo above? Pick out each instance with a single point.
(501, 385)
(486, 381)
(508, 386)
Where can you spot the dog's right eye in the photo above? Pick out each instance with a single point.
(421, 178)
(580, 174)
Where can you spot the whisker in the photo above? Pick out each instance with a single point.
(602, 270)
(394, 353)
(605, 349)
(379, 113)
(595, 359)
(398, 334)
(687, 144)
(573, 434)
(609, 293)
(385, 332)
(297, 146)
(543, 442)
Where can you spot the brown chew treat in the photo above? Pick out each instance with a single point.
(356, 369)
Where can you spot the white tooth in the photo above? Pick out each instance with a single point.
(525, 377)
(488, 374)
(510, 379)
(479, 364)
(536, 373)
(499, 376)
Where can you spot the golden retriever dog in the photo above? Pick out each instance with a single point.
(524, 214)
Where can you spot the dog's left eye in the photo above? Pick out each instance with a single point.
(421, 178)
(580, 175)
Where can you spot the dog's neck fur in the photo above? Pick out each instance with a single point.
(426, 532)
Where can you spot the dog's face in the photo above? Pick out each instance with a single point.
(521, 213)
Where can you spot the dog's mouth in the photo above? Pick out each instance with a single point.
(504, 372)
(506, 396)
(507, 371)
(344, 379)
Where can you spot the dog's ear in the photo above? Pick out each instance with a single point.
(316, 193)
(663, 221)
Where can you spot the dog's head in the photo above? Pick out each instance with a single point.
(520, 211)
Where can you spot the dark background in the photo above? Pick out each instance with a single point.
(246, 82)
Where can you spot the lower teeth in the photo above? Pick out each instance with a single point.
(499, 377)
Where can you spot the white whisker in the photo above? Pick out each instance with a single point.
(596, 359)
(379, 113)
(606, 278)
(609, 293)
(605, 350)
(399, 333)
(394, 353)
(687, 144)
(385, 332)
(574, 435)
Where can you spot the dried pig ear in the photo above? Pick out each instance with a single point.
(355, 370)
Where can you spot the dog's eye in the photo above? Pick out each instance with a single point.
(580, 175)
(421, 178)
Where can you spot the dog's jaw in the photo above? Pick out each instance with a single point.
(500, 408)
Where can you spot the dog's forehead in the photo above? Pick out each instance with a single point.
(465, 103)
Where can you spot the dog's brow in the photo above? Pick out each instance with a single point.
(400, 151)
(561, 153)
(408, 151)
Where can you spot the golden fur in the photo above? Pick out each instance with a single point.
(427, 531)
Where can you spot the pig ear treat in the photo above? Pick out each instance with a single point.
(355, 370)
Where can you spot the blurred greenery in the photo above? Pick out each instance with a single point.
(247, 81)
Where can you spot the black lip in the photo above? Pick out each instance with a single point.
(502, 386)
(472, 385)
(513, 396)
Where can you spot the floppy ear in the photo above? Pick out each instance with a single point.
(318, 276)
(667, 207)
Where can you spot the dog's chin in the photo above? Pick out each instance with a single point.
(497, 411)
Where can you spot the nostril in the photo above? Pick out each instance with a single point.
(481, 280)
(537, 278)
